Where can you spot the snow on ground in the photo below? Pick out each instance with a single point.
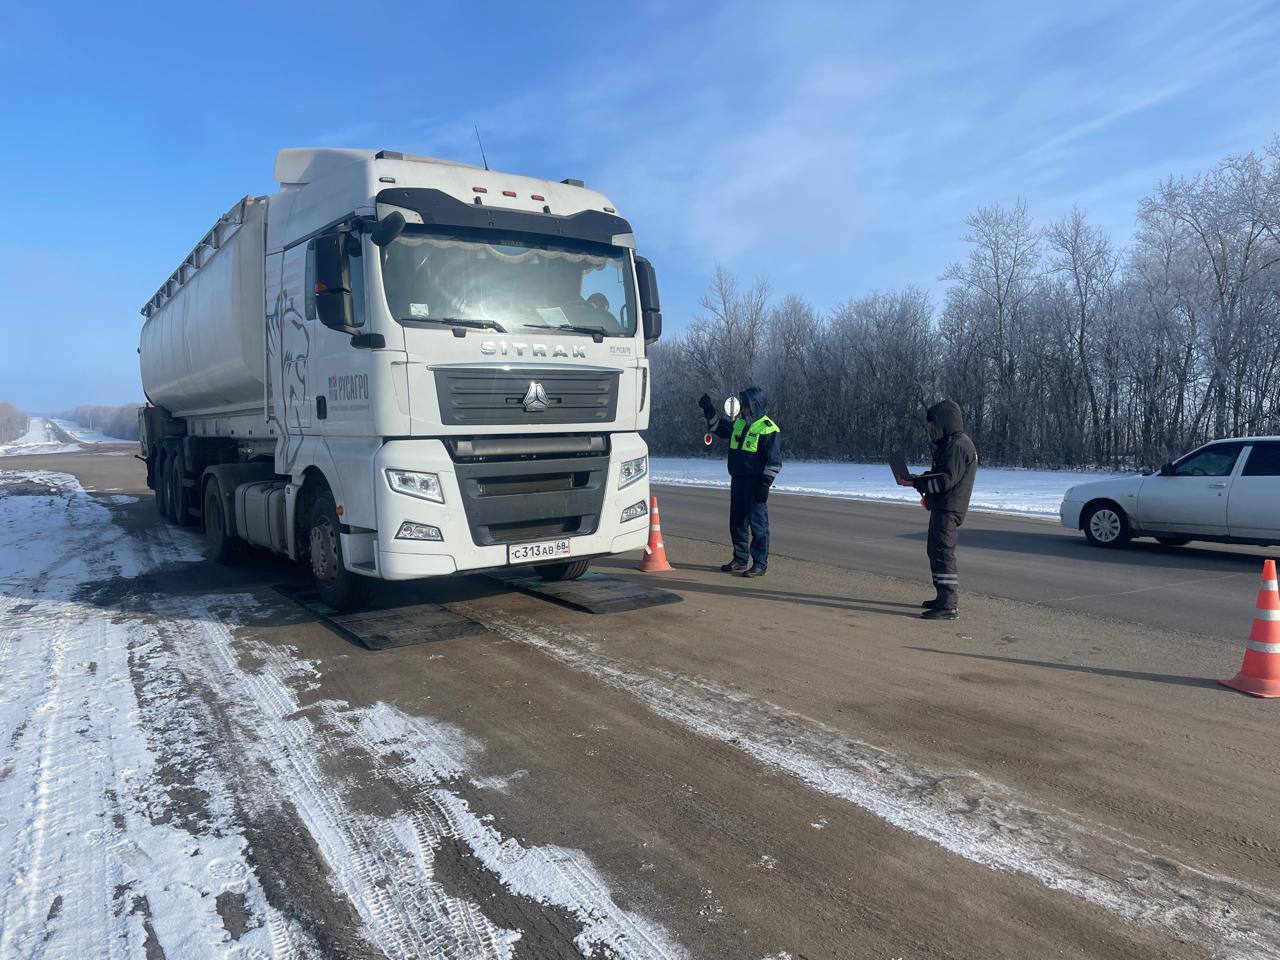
(165, 780)
(85, 435)
(1028, 492)
(39, 438)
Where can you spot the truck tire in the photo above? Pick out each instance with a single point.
(179, 510)
(160, 486)
(171, 488)
(569, 570)
(1105, 525)
(338, 587)
(219, 546)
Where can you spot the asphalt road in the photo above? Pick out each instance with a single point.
(797, 766)
(1201, 588)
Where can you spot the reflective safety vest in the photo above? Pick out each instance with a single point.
(760, 427)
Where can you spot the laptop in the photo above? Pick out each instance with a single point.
(898, 464)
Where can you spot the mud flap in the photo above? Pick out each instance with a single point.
(388, 627)
(591, 593)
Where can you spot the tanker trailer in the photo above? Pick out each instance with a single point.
(398, 367)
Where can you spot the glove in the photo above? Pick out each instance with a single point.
(762, 492)
(708, 408)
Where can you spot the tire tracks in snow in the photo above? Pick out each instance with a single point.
(202, 779)
(386, 866)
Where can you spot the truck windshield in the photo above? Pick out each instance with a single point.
(514, 283)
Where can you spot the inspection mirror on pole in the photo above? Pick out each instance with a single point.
(731, 408)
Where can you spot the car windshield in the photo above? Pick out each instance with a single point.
(512, 282)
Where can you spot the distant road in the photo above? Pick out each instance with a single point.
(1202, 588)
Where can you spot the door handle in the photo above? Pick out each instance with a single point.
(1218, 486)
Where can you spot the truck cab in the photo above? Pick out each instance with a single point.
(454, 376)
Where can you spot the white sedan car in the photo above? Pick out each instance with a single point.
(1227, 491)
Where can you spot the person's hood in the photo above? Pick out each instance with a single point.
(946, 414)
(756, 399)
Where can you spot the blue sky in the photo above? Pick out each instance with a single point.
(835, 148)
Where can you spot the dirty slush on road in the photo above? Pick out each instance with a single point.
(167, 790)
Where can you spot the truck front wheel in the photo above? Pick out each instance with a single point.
(338, 587)
(570, 570)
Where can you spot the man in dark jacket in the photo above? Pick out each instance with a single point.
(946, 489)
(755, 458)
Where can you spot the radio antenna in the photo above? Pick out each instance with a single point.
(483, 158)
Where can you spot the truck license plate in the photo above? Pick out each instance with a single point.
(545, 550)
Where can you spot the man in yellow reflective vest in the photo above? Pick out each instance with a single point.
(755, 459)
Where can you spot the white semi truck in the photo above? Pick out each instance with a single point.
(398, 367)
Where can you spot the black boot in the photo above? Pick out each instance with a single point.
(941, 613)
(734, 566)
(755, 571)
(934, 604)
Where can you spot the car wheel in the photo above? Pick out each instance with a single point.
(1105, 525)
(338, 587)
(570, 570)
(1173, 541)
(219, 546)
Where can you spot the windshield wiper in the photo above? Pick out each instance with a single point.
(458, 322)
(596, 333)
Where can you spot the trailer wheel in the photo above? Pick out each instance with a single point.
(338, 587)
(569, 570)
(171, 488)
(179, 512)
(160, 485)
(219, 547)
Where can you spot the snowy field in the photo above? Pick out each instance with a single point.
(39, 438)
(159, 775)
(85, 435)
(1026, 492)
(42, 436)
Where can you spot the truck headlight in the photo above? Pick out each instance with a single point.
(635, 511)
(632, 470)
(424, 486)
(418, 531)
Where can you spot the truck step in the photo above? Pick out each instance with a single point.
(591, 593)
(384, 628)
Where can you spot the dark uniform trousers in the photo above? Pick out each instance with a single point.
(748, 522)
(944, 534)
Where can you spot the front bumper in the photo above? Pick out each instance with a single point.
(392, 559)
(1069, 513)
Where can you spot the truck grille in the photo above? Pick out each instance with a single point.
(536, 488)
(480, 396)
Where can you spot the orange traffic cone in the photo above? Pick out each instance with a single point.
(655, 554)
(1260, 674)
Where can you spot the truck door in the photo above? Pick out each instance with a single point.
(340, 371)
(297, 326)
(1253, 509)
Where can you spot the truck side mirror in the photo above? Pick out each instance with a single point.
(650, 307)
(332, 282)
(387, 229)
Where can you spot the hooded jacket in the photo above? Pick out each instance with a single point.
(765, 461)
(949, 484)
